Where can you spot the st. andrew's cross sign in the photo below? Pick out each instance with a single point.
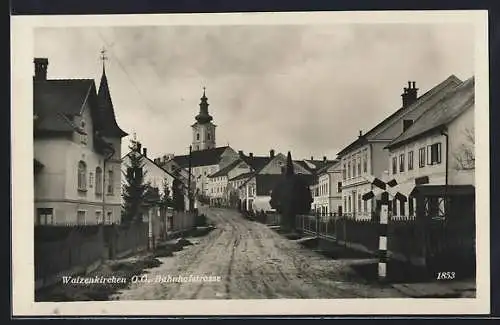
(384, 189)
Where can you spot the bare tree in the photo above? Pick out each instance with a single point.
(465, 154)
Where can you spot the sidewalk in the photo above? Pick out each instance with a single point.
(452, 289)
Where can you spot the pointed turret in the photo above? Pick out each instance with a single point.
(106, 109)
(203, 117)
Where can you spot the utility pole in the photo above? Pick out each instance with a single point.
(190, 205)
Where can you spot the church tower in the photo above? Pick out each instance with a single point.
(203, 129)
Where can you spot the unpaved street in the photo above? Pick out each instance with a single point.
(252, 261)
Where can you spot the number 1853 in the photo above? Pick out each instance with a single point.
(445, 276)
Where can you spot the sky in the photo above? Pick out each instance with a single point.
(308, 89)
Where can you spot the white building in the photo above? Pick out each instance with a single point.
(154, 175)
(327, 192)
(438, 149)
(367, 156)
(77, 150)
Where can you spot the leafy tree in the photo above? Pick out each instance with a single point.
(291, 196)
(134, 191)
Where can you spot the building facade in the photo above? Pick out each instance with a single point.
(327, 191)
(366, 156)
(77, 151)
(438, 149)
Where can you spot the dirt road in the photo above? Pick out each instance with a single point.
(252, 262)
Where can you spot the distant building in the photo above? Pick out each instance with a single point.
(154, 175)
(327, 190)
(77, 151)
(206, 157)
(255, 192)
(367, 156)
(437, 149)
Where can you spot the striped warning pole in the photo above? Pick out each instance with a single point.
(382, 244)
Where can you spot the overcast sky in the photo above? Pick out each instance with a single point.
(308, 89)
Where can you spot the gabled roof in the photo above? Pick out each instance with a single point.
(326, 166)
(421, 100)
(205, 157)
(441, 114)
(224, 171)
(256, 162)
(242, 176)
(57, 101)
(155, 164)
(265, 183)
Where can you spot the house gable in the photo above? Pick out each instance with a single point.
(274, 166)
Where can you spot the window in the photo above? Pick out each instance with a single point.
(83, 136)
(111, 182)
(339, 187)
(410, 207)
(80, 217)
(434, 154)
(98, 180)
(348, 170)
(365, 206)
(45, 216)
(344, 176)
(402, 162)
(359, 202)
(82, 176)
(91, 179)
(365, 163)
(402, 208)
(410, 160)
(109, 216)
(354, 168)
(394, 165)
(421, 157)
(208, 136)
(98, 217)
(197, 136)
(345, 203)
(349, 204)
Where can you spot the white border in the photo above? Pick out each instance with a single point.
(22, 180)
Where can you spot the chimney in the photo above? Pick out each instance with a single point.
(138, 147)
(240, 152)
(271, 153)
(250, 155)
(145, 152)
(360, 133)
(41, 68)
(410, 94)
(164, 158)
(312, 158)
(324, 158)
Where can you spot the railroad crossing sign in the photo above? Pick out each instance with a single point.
(381, 186)
(383, 189)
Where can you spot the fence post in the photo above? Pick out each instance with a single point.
(384, 216)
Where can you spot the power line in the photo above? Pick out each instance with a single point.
(122, 67)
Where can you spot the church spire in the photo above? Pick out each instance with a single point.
(203, 117)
